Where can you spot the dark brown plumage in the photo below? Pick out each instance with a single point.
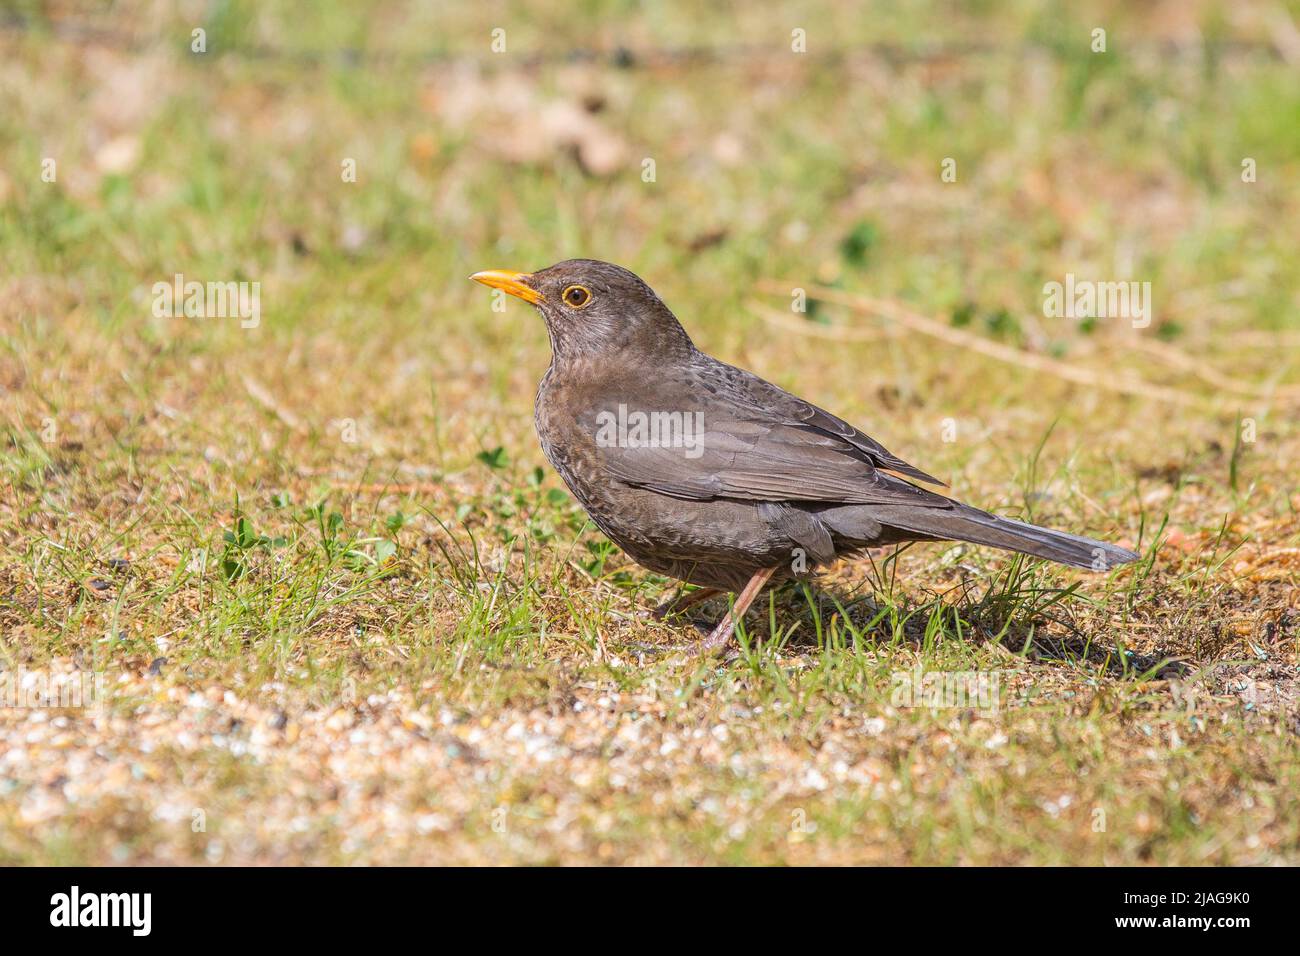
(711, 475)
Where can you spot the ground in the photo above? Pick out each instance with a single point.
(341, 610)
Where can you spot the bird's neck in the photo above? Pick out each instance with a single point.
(625, 347)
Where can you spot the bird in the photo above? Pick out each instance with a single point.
(709, 474)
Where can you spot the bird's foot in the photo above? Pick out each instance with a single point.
(718, 638)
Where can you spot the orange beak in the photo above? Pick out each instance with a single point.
(516, 283)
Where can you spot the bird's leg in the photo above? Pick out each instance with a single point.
(726, 627)
(695, 597)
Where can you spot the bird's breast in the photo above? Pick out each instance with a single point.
(569, 445)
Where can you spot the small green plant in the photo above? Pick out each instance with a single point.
(240, 542)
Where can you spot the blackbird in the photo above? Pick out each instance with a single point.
(707, 473)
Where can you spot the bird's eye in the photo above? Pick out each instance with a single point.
(576, 296)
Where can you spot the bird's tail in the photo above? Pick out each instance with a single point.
(964, 523)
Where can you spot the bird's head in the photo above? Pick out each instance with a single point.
(593, 308)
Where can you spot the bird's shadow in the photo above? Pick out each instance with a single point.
(1045, 629)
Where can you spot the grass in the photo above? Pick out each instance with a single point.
(346, 613)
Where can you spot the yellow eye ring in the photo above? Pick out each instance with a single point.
(576, 296)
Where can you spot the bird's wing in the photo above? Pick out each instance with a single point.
(821, 420)
(740, 457)
(772, 400)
